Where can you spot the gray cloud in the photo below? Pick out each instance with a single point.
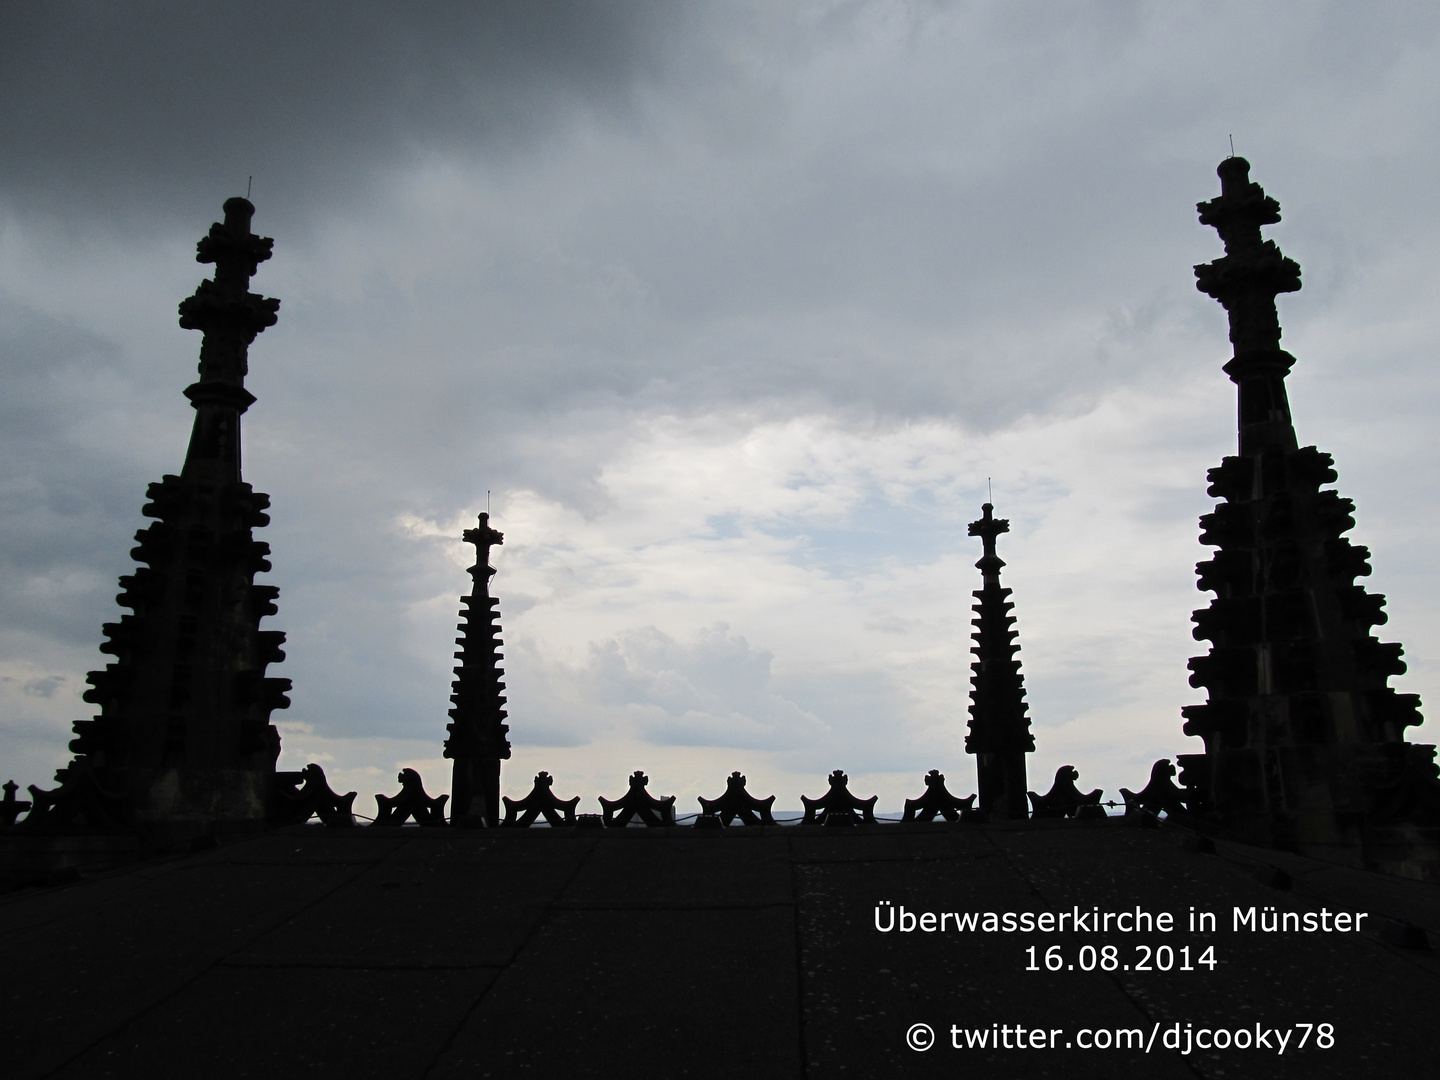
(509, 233)
(714, 689)
(156, 102)
(67, 506)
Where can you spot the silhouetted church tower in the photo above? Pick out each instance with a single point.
(184, 734)
(999, 729)
(477, 742)
(1304, 741)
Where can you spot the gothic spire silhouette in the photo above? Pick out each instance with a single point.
(477, 742)
(1304, 741)
(184, 735)
(999, 729)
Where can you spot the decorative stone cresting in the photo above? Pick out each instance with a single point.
(637, 802)
(1064, 799)
(737, 802)
(837, 806)
(1160, 794)
(411, 803)
(936, 800)
(82, 801)
(11, 807)
(521, 813)
(299, 796)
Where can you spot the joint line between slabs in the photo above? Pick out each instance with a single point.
(1112, 976)
(202, 967)
(465, 1018)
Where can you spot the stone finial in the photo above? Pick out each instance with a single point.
(987, 528)
(1253, 271)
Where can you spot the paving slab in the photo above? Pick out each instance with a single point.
(678, 952)
(1260, 981)
(888, 843)
(77, 978)
(237, 1022)
(692, 869)
(426, 909)
(300, 846)
(1399, 898)
(605, 993)
(25, 910)
(868, 980)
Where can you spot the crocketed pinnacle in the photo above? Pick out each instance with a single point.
(183, 739)
(1303, 738)
(477, 742)
(999, 732)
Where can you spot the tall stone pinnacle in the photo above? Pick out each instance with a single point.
(1304, 740)
(477, 742)
(999, 729)
(184, 738)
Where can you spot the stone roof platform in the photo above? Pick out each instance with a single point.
(736, 953)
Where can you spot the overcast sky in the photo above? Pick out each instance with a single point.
(733, 308)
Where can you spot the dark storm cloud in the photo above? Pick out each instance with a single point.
(64, 511)
(159, 102)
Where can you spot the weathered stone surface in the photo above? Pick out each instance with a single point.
(391, 1020)
(727, 869)
(406, 952)
(593, 997)
(91, 971)
(428, 909)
